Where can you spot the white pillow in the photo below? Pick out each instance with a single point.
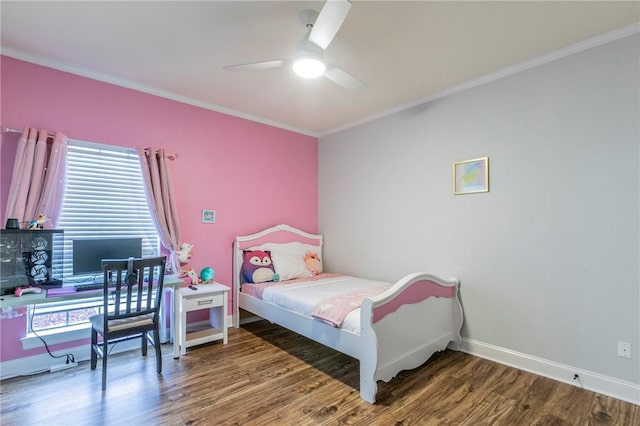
(288, 258)
(289, 266)
(294, 248)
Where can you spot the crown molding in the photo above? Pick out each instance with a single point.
(106, 78)
(522, 66)
(496, 75)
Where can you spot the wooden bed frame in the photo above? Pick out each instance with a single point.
(399, 329)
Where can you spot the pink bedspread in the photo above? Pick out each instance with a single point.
(331, 310)
(256, 290)
(334, 309)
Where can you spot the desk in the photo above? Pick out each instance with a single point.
(171, 282)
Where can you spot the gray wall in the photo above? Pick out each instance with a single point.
(549, 259)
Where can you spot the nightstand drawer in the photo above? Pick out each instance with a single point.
(202, 302)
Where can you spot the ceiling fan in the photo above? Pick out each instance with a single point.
(309, 61)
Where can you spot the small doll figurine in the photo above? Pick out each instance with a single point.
(39, 222)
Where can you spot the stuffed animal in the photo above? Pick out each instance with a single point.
(193, 276)
(184, 252)
(257, 266)
(39, 222)
(313, 263)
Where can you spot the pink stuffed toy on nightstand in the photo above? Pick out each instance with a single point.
(193, 276)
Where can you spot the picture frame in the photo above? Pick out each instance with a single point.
(471, 176)
(208, 216)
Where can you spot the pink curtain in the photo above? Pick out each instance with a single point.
(37, 183)
(161, 199)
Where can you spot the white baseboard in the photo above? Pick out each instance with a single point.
(610, 386)
(42, 363)
(249, 320)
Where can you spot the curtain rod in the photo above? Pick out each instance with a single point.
(171, 156)
(8, 130)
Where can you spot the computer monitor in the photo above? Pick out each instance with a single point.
(88, 253)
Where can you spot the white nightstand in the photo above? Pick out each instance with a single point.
(207, 296)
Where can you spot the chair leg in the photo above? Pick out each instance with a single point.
(105, 352)
(94, 342)
(144, 343)
(156, 345)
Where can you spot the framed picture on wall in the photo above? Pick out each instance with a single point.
(471, 176)
(208, 216)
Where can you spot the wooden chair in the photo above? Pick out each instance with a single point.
(132, 294)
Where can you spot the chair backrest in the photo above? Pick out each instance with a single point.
(132, 286)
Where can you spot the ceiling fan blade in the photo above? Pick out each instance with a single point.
(344, 79)
(329, 22)
(257, 65)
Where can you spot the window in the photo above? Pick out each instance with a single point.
(104, 197)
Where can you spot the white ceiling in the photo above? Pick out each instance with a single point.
(406, 52)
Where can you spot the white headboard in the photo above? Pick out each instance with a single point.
(279, 234)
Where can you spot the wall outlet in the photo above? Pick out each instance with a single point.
(624, 350)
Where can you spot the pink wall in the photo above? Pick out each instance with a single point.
(254, 176)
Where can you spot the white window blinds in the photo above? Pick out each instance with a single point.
(104, 197)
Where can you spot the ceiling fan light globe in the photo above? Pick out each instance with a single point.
(309, 67)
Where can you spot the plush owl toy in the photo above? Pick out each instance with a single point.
(257, 266)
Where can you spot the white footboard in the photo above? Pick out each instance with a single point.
(401, 328)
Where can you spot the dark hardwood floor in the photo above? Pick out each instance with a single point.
(267, 375)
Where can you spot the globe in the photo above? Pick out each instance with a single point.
(207, 274)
